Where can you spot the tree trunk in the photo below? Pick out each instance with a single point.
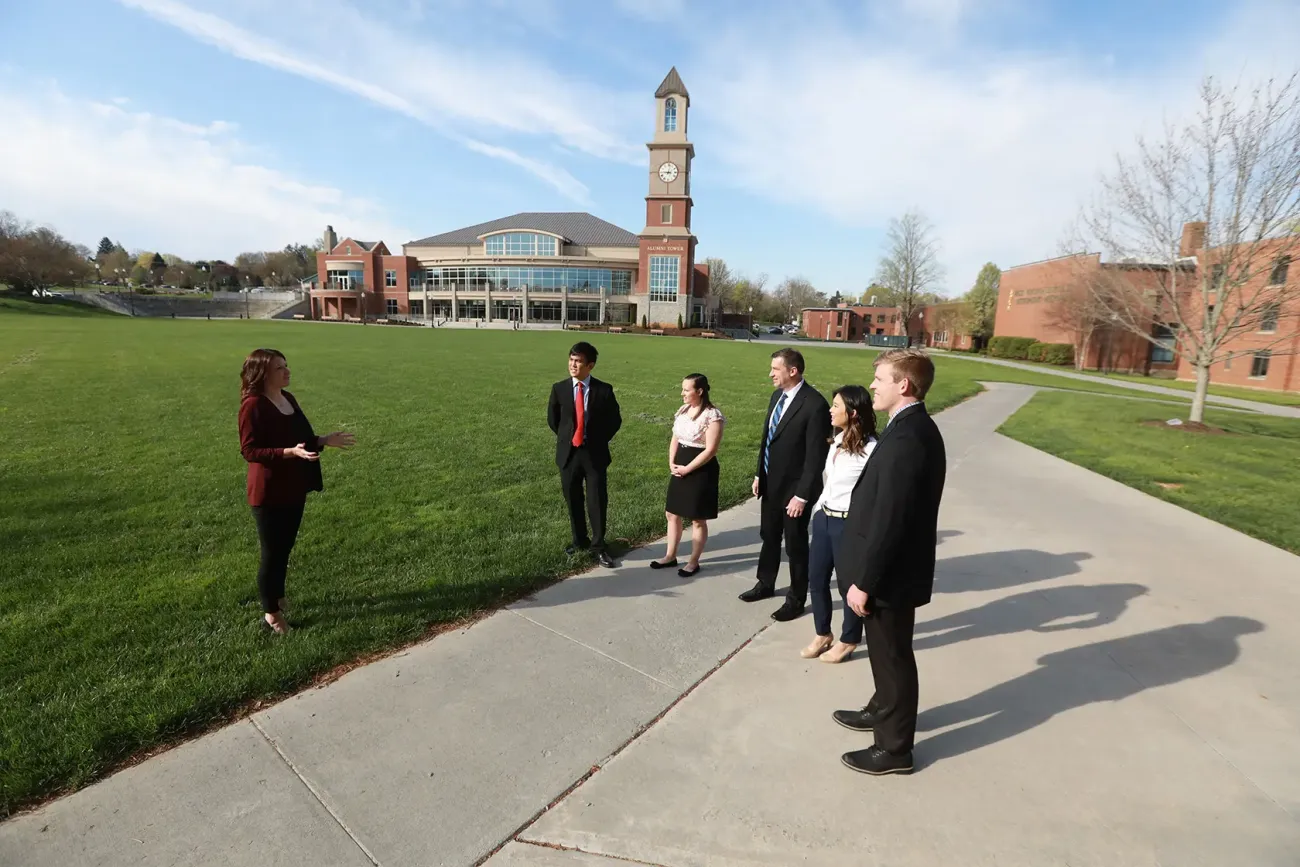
(1197, 414)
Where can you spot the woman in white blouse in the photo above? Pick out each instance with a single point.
(852, 414)
(693, 462)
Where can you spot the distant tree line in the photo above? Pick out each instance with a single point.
(38, 258)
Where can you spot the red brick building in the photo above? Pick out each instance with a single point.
(1048, 301)
(937, 325)
(543, 267)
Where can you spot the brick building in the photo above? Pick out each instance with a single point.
(936, 325)
(1048, 301)
(542, 267)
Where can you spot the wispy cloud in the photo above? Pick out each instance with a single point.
(464, 95)
(997, 147)
(94, 168)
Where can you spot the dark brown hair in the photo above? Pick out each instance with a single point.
(790, 358)
(862, 418)
(256, 366)
(913, 365)
(701, 383)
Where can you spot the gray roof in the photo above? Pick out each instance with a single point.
(672, 84)
(577, 227)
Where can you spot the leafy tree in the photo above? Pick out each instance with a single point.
(982, 304)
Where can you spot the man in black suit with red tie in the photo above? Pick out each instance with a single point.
(583, 413)
(886, 559)
(791, 457)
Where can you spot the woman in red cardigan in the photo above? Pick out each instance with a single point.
(282, 452)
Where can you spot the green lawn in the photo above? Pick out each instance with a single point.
(1248, 480)
(128, 612)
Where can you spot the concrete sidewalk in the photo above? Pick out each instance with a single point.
(1106, 679)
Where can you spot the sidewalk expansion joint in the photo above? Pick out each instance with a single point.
(641, 730)
(561, 848)
(315, 794)
(593, 649)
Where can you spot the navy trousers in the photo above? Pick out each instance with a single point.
(826, 534)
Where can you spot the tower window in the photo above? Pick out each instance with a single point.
(670, 115)
(665, 214)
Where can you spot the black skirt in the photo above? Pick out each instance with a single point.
(694, 496)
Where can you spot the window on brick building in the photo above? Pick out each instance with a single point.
(665, 214)
(880, 317)
(390, 278)
(1216, 277)
(1259, 364)
(1162, 351)
(391, 305)
(414, 282)
(1278, 277)
(417, 308)
(1268, 318)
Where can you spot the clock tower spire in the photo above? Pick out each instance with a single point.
(667, 263)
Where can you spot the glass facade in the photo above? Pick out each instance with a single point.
(417, 307)
(347, 281)
(670, 115)
(512, 310)
(501, 279)
(663, 277)
(620, 314)
(520, 244)
(471, 310)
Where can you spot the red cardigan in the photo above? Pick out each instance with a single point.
(264, 434)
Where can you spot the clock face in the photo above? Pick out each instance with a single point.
(668, 173)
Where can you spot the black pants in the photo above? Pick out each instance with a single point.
(277, 530)
(578, 470)
(775, 525)
(893, 667)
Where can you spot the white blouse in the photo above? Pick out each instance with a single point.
(841, 474)
(690, 431)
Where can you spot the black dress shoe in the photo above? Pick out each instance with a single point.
(877, 762)
(857, 720)
(574, 549)
(605, 560)
(787, 612)
(667, 564)
(756, 593)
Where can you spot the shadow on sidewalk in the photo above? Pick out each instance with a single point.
(1031, 611)
(1105, 671)
(1000, 570)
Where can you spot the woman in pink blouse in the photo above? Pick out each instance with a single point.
(693, 462)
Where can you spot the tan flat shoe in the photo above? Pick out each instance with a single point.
(820, 644)
(839, 652)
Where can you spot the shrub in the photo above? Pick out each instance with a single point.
(1035, 350)
(1058, 353)
(1011, 347)
(645, 321)
(679, 322)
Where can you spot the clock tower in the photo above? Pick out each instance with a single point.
(667, 262)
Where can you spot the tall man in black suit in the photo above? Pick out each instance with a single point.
(791, 458)
(584, 415)
(886, 559)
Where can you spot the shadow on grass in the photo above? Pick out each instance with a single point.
(1105, 671)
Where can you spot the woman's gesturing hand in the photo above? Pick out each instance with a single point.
(300, 451)
(339, 440)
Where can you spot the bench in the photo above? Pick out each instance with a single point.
(573, 327)
(299, 316)
(707, 334)
(616, 330)
(381, 321)
(658, 331)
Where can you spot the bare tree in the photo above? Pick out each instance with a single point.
(1224, 187)
(796, 293)
(910, 270)
(1079, 312)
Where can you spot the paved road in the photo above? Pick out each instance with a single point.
(1106, 680)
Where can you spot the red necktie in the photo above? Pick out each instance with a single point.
(579, 411)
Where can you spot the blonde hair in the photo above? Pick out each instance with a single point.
(911, 364)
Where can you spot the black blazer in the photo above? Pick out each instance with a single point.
(799, 448)
(603, 420)
(891, 530)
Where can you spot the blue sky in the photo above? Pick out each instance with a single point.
(205, 129)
